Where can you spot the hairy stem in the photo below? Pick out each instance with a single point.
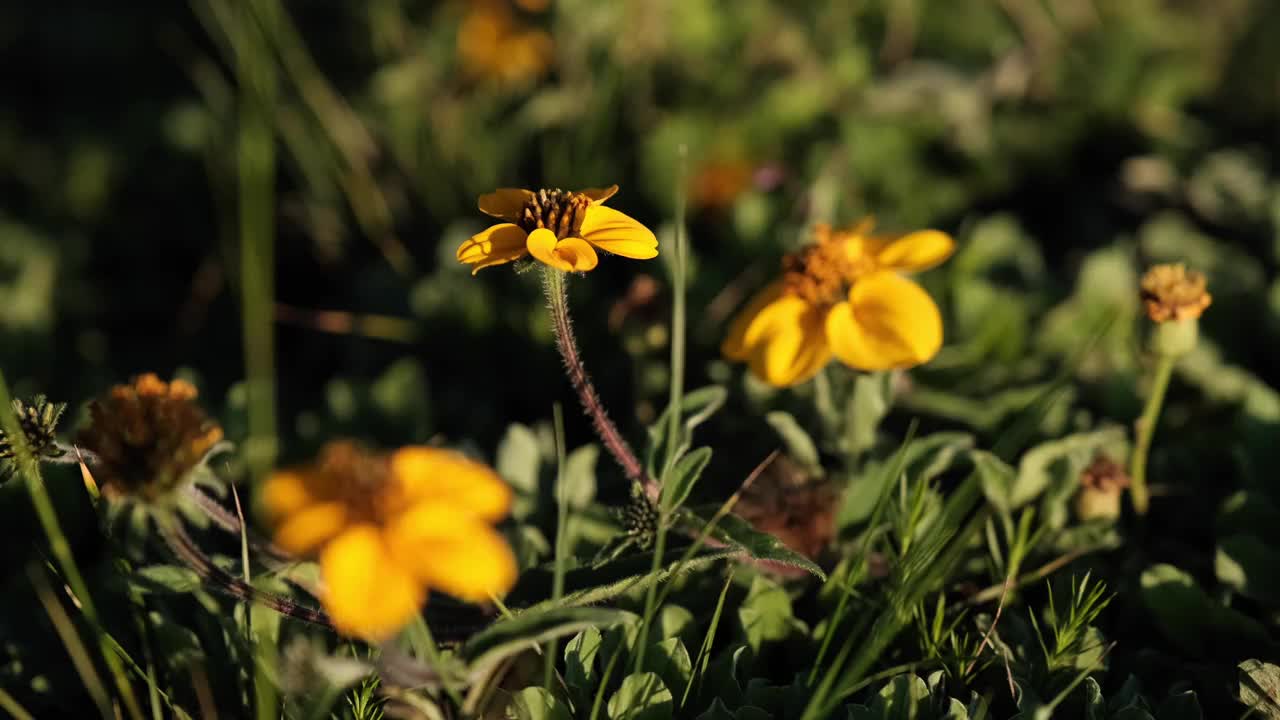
(554, 283)
(190, 554)
(1146, 431)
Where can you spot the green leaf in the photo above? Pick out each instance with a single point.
(870, 402)
(178, 645)
(580, 656)
(518, 461)
(535, 703)
(751, 712)
(901, 698)
(1180, 706)
(1056, 466)
(669, 660)
(641, 696)
(997, 479)
(687, 470)
(923, 460)
(1247, 564)
(696, 408)
(717, 711)
(580, 476)
(740, 535)
(1259, 688)
(1192, 620)
(508, 637)
(766, 614)
(166, 578)
(800, 446)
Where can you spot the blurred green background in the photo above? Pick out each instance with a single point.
(1067, 144)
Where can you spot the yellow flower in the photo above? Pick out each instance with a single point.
(560, 228)
(389, 527)
(843, 296)
(1171, 292)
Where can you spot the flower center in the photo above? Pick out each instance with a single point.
(360, 480)
(822, 273)
(559, 211)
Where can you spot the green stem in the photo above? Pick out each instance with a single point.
(562, 537)
(678, 300)
(58, 544)
(1140, 493)
(554, 284)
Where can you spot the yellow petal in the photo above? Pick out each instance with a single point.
(450, 478)
(569, 254)
(285, 492)
(505, 203)
(304, 531)
(792, 346)
(889, 322)
(617, 233)
(366, 592)
(542, 245)
(599, 195)
(453, 552)
(780, 336)
(575, 251)
(494, 246)
(916, 251)
(735, 345)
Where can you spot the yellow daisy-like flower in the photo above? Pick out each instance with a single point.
(843, 296)
(560, 228)
(388, 527)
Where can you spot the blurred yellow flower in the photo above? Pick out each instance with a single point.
(1174, 293)
(389, 527)
(494, 44)
(561, 228)
(843, 296)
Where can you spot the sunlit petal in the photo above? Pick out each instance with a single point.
(505, 203)
(304, 531)
(915, 251)
(889, 322)
(792, 345)
(285, 492)
(617, 233)
(449, 477)
(599, 195)
(453, 552)
(542, 245)
(366, 592)
(736, 345)
(495, 245)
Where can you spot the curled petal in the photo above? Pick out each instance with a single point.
(366, 592)
(888, 322)
(737, 343)
(304, 531)
(454, 552)
(781, 337)
(505, 203)
(915, 251)
(496, 245)
(617, 233)
(450, 478)
(599, 195)
(569, 254)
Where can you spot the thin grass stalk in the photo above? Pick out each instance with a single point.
(29, 470)
(561, 551)
(554, 284)
(13, 707)
(70, 638)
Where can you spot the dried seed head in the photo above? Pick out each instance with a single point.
(640, 517)
(38, 419)
(147, 436)
(1171, 292)
(1102, 485)
(559, 211)
(822, 272)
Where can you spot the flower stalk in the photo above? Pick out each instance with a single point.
(554, 284)
(1146, 428)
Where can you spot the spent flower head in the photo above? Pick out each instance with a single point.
(387, 527)
(1173, 293)
(147, 437)
(843, 295)
(1102, 485)
(560, 228)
